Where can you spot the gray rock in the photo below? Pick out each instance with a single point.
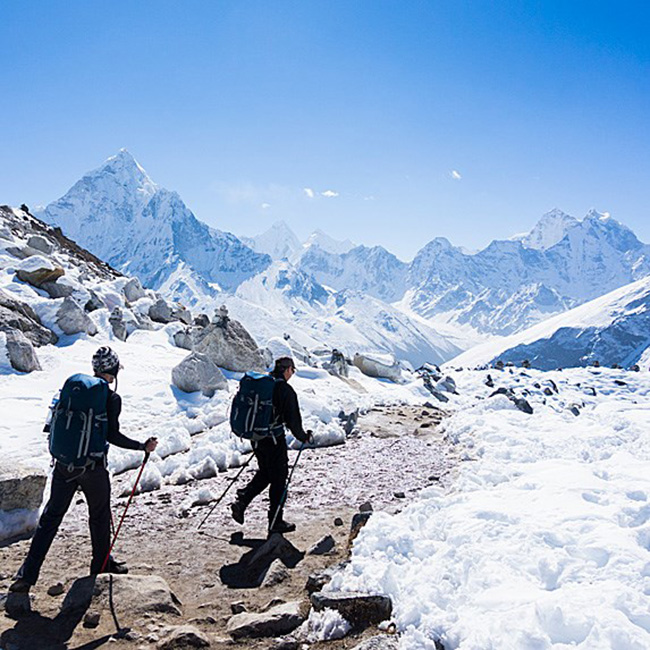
(94, 302)
(161, 312)
(116, 320)
(91, 619)
(201, 320)
(133, 290)
(229, 346)
(376, 368)
(338, 521)
(72, 319)
(22, 355)
(182, 314)
(197, 372)
(323, 546)
(182, 637)
(380, 642)
(40, 244)
(144, 322)
(238, 607)
(21, 486)
(128, 595)
(56, 590)
(18, 315)
(360, 610)
(359, 520)
(278, 620)
(58, 289)
(366, 506)
(183, 339)
(275, 574)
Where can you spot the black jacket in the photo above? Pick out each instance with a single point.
(286, 410)
(113, 435)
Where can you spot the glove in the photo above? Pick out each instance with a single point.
(150, 444)
(310, 437)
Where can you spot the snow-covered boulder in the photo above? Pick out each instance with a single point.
(182, 314)
(18, 315)
(183, 339)
(116, 320)
(37, 270)
(20, 350)
(133, 290)
(197, 372)
(41, 244)
(227, 343)
(72, 319)
(380, 367)
(59, 288)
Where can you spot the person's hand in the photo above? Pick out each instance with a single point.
(151, 444)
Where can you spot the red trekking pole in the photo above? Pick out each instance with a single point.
(128, 503)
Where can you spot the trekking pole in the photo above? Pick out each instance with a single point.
(128, 503)
(286, 488)
(232, 482)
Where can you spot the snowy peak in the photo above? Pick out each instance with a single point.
(549, 230)
(279, 241)
(327, 243)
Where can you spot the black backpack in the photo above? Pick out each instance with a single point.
(251, 414)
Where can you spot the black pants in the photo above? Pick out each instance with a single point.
(273, 469)
(95, 484)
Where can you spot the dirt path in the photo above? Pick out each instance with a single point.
(394, 453)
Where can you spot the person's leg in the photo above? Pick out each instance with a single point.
(278, 471)
(256, 485)
(96, 487)
(61, 493)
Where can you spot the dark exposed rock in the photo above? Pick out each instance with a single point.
(360, 610)
(161, 312)
(323, 546)
(359, 520)
(116, 320)
(201, 320)
(58, 289)
(40, 271)
(277, 620)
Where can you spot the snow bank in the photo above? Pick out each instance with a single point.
(544, 540)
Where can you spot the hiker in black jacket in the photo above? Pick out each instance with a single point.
(94, 481)
(271, 452)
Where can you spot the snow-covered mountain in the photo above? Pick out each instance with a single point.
(611, 329)
(327, 243)
(549, 230)
(119, 214)
(278, 242)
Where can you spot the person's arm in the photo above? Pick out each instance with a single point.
(113, 435)
(290, 411)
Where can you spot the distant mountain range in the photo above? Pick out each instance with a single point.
(119, 214)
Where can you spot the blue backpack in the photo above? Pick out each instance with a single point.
(251, 414)
(79, 421)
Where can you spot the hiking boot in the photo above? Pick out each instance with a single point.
(237, 509)
(281, 526)
(113, 566)
(20, 586)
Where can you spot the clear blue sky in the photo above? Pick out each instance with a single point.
(459, 119)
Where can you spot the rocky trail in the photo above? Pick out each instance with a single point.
(224, 568)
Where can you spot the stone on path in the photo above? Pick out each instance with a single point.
(380, 642)
(276, 621)
(322, 546)
(275, 574)
(182, 637)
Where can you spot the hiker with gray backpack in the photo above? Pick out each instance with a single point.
(85, 419)
(262, 407)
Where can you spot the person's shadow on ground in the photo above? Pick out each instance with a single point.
(250, 570)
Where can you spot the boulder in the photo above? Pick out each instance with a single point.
(182, 637)
(227, 343)
(58, 289)
(41, 244)
(94, 302)
(128, 595)
(381, 368)
(16, 315)
(182, 314)
(275, 574)
(22, 355)
(338, 364)
(201, 320)
(133, 290)
(197, 372)
(183, 339)
(37, 270)
(359, 520)
(278, 620)
(72, 319)
(21, 487)
(360, 610)
(116, 320)
(161, 312)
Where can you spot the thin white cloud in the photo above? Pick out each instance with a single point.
(266, 206)
(330, 194)
(309, 192)
(455, 175)
(369, 198)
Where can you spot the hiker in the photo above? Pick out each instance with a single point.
(89, 474)
(271, 451)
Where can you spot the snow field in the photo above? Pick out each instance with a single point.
(544, 539)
